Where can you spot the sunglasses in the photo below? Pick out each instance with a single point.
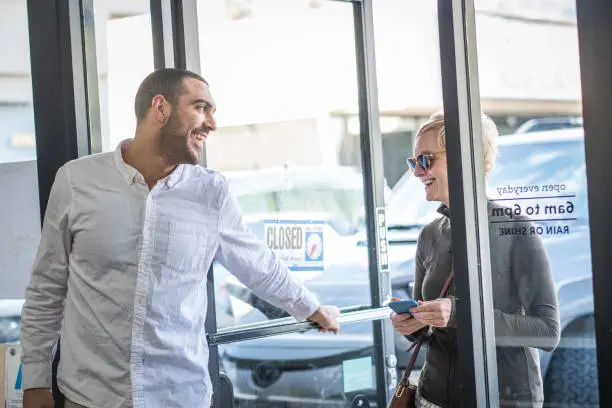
(424, 160)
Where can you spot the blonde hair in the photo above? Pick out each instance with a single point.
(489, 136)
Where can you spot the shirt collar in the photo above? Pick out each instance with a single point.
(175, 176)
(131, 175)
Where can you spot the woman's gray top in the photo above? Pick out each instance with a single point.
(526, 313)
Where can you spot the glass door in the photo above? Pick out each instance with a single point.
(288, 79)
(519, 199)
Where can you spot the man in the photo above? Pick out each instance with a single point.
(127, 242)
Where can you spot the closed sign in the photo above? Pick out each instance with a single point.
(299, 244)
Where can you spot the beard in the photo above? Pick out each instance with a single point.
(173, 143)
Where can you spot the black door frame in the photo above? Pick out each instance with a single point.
(65, 95)
(64, 85)
(467, 194)
(595, 37)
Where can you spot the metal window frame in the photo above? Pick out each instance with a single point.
(467, 194)
(594, 34)
(373, 173)
(92, 82)
(64, 86)
(175, 34)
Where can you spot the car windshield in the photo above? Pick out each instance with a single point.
(556, 168)
(344, 205)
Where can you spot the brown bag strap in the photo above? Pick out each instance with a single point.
(419, 342)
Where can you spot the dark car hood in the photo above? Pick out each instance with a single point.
(296, 347)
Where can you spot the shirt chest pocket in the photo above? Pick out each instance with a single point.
(189, 247)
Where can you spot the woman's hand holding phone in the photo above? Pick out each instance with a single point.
(435, 313)
(404, 323)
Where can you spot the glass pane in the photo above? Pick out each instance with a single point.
(19, 206)
(540, 253)
(539, 222)
(288, 142)
(285, 104)
(303, 370)
(124, 50)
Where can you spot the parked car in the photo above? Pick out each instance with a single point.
(554, 123)
(307, 369)
(335, 190)
(333, 194)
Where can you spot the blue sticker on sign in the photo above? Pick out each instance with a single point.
(18, 381)
(314, 246)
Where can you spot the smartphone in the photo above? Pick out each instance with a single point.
(403, 306)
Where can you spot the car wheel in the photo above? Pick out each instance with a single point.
(571, 380)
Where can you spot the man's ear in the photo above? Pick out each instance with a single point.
(160, 108)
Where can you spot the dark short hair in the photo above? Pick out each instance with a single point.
(167, 82)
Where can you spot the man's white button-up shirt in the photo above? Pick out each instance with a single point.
(121, 273)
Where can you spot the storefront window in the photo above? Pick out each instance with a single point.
(19, 206)
(125, 57)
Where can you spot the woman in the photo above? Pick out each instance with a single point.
(524, 297)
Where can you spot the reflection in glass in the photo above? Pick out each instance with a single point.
(521, 162)
(532, 60)
(544, 171)
(525, 302)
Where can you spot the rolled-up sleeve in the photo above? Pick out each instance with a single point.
(43, 309)
(258, 267)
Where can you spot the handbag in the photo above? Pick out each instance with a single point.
(405, 393)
